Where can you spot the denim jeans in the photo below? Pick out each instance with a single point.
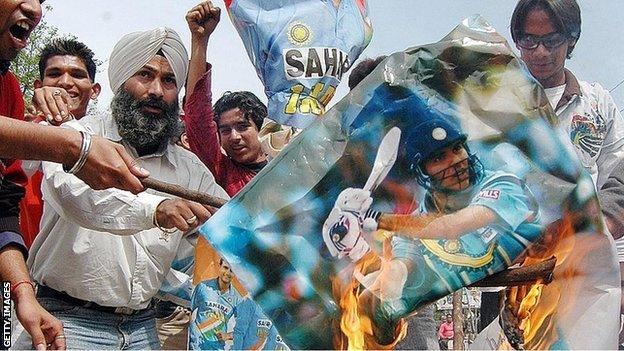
(88, 329)
(172, 322)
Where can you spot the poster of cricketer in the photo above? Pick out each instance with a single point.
(319, 242)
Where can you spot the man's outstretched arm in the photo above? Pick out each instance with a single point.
(107, 163)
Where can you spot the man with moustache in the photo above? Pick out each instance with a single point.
(101, 256)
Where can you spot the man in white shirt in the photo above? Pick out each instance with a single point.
(101, 256)
(545, 32)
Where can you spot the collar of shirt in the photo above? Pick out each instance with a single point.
(572, 89)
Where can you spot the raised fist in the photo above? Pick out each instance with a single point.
(203, 19)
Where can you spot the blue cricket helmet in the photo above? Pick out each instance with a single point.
(428, 137)
(427, 126)
(424, 140)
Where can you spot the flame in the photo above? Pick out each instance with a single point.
(538, 305)
(350, 323)
(355, 331)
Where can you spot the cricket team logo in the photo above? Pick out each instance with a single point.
(299, 33)
(588, 133)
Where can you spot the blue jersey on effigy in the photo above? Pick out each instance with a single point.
(212, 314)
(301, 50)
(254, 331)
(443, 266)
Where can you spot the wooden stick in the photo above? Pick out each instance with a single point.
(510, 277)
(184, 193)
(458, 321)
(542, 271)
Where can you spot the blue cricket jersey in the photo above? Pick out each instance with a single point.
(214, 310)
(301, 49)
(443, 266)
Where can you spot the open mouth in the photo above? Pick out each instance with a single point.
(154, 106)
(20, 31)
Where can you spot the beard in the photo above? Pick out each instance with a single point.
(144, 131)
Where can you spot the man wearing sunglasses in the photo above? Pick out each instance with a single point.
(545, 32)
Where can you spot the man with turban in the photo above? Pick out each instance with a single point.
(101, 256)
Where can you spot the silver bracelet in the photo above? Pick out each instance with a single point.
(84, 152)
(163, 229)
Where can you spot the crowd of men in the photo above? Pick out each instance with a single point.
(87, 250)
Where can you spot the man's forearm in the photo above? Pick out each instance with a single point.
(454, 225)
(13, 269)
(23, 140)
(197, 66)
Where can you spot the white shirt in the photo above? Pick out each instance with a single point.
(589, 115)
(101, 245)
(590, 118)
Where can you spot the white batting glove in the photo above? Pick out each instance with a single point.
(342, 235)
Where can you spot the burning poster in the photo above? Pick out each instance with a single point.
(301, 49)
(317, 238)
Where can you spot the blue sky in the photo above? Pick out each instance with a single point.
(398, 24)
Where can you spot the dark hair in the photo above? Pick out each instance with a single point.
(565, 15)
(69, 47)
(363, 69)
(252, 108)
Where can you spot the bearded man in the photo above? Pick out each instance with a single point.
(101, 256)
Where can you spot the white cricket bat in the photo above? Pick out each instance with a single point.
(386, 156)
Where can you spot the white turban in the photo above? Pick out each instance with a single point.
(136, 49)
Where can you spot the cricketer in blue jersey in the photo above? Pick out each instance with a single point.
(472, 223)
(217, 302)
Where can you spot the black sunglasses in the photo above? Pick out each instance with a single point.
(550, 41)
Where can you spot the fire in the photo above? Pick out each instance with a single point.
(537, 305)
(356, 330)
(350, 323)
